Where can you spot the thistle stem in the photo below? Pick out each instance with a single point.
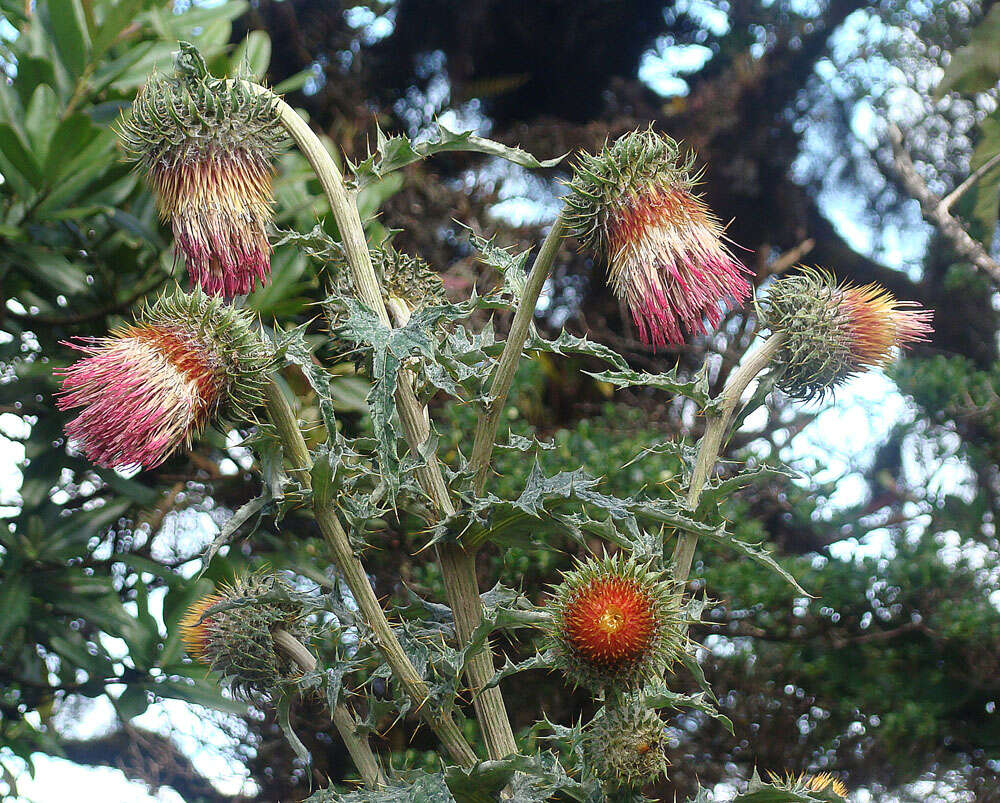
(486, 429)
(343, 719)
(357, 581)
(466, 606)
(711, 443)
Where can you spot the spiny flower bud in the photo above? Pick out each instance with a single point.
(230, 631)
(823, 786)
(633, 204)
(400, 275)
(206, 145)
(615, 623)
(832, 333)
(151, 386)
(626, 746)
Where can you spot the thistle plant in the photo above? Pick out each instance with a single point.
(617, 624)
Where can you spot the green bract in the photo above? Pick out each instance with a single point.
(626, 746)
(231, 631)
(231, 338)
(192, 114)
(603, 183)
(816, 352)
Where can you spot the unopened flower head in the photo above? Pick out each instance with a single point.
(230, 631)
(633, 204)
(206, 146)
(153, 385)
(626, 746)
(822, 786)
(830, 332)
(402, 277)
(615, 623)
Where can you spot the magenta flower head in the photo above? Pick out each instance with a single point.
(151, 386)
(206, 146)
(634, 205)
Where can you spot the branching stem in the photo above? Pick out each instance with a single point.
(463, 589)
(486, 430)
(297, 454)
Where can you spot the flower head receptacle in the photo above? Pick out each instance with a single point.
(615, 624)
(207, 146)
(152, 386)
(230, 631)
(634, 206)
(833, 332)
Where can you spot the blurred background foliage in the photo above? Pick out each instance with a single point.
(888, 676)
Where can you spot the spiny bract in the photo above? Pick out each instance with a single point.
(236, 638)
(832, 332)
(626, 746)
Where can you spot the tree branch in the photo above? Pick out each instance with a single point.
(935, 210)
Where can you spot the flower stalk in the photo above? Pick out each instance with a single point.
(711, 442)
(345, 721)
(486, 429)
(458, 566)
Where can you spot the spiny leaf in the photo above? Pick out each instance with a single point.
(392, 153)
(695, 388)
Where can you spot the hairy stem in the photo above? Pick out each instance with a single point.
(711, 443)
(490, 708)
(486, 430)
(357, 581)
(343, 719)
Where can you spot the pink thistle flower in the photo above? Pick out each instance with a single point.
(220, 207)
(633, 204)
(150, 387)
(207, 147)
(144, 390)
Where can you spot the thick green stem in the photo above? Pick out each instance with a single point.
(711, 443)
(486, 430)
(343, 719)
(468, 612)
(357, 581)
